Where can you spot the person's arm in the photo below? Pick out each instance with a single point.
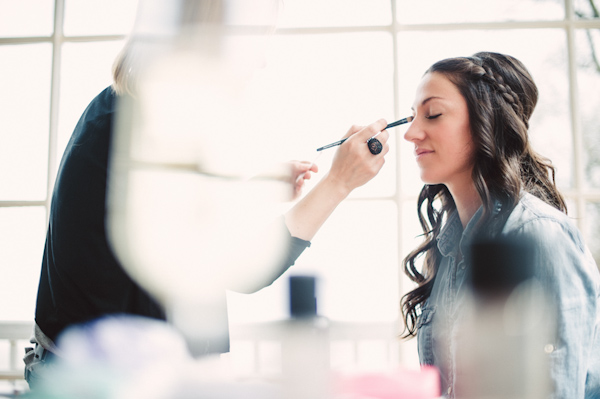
(353, 166)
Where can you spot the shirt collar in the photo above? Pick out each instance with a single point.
(450, 234)
(453, 231)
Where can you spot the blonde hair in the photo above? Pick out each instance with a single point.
(121, 72)
(193, 14)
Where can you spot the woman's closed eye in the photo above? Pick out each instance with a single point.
(432, 116)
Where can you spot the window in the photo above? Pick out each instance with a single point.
(56, 57)
(332, 63)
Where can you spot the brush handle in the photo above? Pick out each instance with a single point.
(332, 144)
(400, 122)
(393, 124)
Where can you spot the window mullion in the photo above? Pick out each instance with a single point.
(399, 194)
(578, 151)
(57, 41)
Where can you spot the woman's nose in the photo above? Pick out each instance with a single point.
(414, 132)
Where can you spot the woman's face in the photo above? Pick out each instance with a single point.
(441, 133)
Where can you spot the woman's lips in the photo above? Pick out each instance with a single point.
(421, 152)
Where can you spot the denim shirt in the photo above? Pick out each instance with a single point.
(566, 270)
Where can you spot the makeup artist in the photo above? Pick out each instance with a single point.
(483, 178)
(82, 280)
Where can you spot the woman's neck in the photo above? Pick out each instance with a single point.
(467, 201)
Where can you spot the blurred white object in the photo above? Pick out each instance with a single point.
(508, 323)
(126, 344)
(123, 357)
(186, 219)
(305, 348)
(101, 358)
(500, 353)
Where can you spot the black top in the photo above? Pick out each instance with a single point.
(81, 279)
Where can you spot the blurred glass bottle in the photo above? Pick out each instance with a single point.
(305, 347)
(185, 218)
(508, 323)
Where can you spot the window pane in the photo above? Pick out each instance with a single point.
(99, 17)
(26, 18)
(542, 51)
(411, 229)
(305, 13)
(86, 71)
(24, 121)
(587, 9)
(356, 253)
(315, 87)
(21, 246)
(588, 79)
(592, 232)
(355, 257)
(442, 11)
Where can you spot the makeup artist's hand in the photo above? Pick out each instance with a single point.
(353, 164)
(300, 171)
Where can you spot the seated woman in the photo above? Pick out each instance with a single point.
(482, 178)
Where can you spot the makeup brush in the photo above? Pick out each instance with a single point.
(393, 124)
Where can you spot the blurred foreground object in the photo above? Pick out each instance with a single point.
(185, 218)
(509, 324)
(306, 368)
(391, 384)
(103, 358)
(125, 357)
(305, 348)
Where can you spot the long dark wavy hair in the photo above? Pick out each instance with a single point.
(501, 96)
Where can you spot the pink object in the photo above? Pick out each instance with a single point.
(395, 384)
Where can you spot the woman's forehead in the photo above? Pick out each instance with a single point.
(435, 87)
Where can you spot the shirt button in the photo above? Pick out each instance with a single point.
(549, 348)
(449, 390)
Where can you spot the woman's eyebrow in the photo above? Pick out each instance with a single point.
(427, 99)
(431, 98)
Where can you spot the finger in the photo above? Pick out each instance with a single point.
(305, 166)
(371, 130)
(305, 175)
(302, 165)
(383, 136)
(386, 149)
(353, 129)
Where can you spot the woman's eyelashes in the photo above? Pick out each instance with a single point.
(430, 116)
